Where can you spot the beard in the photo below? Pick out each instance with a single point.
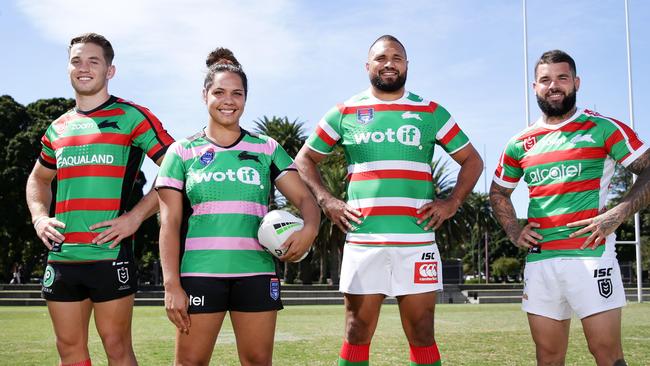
(555, 110)
(391, 86)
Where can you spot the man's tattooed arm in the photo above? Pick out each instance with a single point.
(504, 211)
(636, 199)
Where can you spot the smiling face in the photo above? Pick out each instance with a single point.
(387, 66)
(555, 87)
(88, 69)
(225, 99)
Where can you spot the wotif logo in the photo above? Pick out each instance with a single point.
(560, 172)
(244, 175)
(405, 135)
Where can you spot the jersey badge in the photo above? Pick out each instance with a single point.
(245, 155)
(61, 126)
(274, 288)
(529, 142)
(582, 138)
(108, 124)
(365, 115)
(407, 115)
(207, 157)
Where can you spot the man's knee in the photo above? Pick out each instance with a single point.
(550, 358)
(358, 331)
(189, 359)
(117, 346)
(606, 352)
(71, 345)
(549, 355)
(257, 358)
(421, 333)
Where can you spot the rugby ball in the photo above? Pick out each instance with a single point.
(275, 229)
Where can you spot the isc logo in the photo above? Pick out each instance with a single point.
(197, 300)
(428, 256)
(602, 272)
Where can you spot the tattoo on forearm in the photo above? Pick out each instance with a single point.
(504, 211)
(639, 195)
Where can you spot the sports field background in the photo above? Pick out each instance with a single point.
(311, 335)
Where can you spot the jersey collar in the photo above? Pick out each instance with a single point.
(540, 122)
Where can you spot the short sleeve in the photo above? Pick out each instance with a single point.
(172, 170)
(328, 132)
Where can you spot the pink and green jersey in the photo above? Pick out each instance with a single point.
(389, 148)
(97, 155)
(568, 168)
(228, 189)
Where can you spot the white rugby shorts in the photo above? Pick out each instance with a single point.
(389, 270)
(555, 287)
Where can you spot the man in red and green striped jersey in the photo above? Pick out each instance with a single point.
(95, 152)
(388, 135)
(567, 158)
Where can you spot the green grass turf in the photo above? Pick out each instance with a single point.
(311, 335)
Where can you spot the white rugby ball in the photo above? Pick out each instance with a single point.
(275, 229)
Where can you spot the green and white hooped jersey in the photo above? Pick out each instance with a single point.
(228, 189)
(568, 168)
(97, 156)
(389, 148)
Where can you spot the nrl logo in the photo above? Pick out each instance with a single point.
(123, 275)
(529, 143)
(605, 287)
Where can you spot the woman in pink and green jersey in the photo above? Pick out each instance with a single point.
(226, 173)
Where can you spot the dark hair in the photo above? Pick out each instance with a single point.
(97, 39)
(388, 38)
(225, 67)
(220, 54)
(556, 57)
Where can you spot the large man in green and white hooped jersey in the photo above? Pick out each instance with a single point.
(567, 158)
(388, 135)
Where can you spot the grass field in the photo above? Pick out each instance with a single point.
(311, 335)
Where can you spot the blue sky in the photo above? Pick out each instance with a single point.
(302, 57)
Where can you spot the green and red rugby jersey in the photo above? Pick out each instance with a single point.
(568, 168)
(389, 148)
(97, 155)
(228, 189)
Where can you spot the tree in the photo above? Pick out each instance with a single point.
(505, 267)
(21, 131)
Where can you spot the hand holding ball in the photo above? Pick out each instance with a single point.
(275, 229)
